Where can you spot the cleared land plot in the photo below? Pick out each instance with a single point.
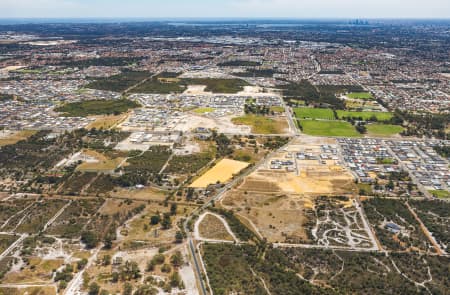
(329, 128)
(97, 107)
(203, 110)
(106, 122)
(221, 172)
(213, 228)
(138, 232)
(441, 194)
(262, 124)
(277, 217)
(145, 194)
(314, 113)
(380, 116)
(218, 85)
(360, 95)
(36, 271)
(436, 217)
(72, 221)
(383, 129)
(103, 163)
(14, 137)
(409, 236)
(45, 290)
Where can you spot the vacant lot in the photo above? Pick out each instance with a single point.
(213, 228)
(218, 85)
(441, 194)
(103, 164)
(97, 107)
(262, 124)
(329, 128)
(360, 95)
(107, 122)
(203, 110)
(222, 172)
(312, 113)
(379, 116)
(8, 138)
(383, 129)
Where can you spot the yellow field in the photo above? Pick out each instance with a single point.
(222, 172)
(107, 122)
(105, 164)
(15, 137)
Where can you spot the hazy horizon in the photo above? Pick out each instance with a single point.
(175, 9)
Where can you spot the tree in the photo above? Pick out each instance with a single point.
(155, 219)
(90, 239)
(173, 209)
(177, 259)
(127, 289)
(94, 289)
(166, 222)
(166, 268)
(175, 280)
(179, 237)
(82, 263)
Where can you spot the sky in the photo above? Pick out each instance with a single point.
(225, 8)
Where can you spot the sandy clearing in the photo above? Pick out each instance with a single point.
(221, 172)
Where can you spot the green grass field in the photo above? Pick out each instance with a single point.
(261, 124)
(97, 107)
(383, 129)
(360, 95)
(381, 116)
(441, 194)
(311, 113)
(203, 110)
(329, 128)
(277, 109)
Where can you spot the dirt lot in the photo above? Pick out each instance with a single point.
(275, 201)
(212, 228)
(145, 194)
(12, 137)
(276, 216)
(222, 172)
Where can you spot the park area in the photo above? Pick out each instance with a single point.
(222, 172)
(262, 125)
(365, 116)
(383, 129)
(314, 113)
(329, 128)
